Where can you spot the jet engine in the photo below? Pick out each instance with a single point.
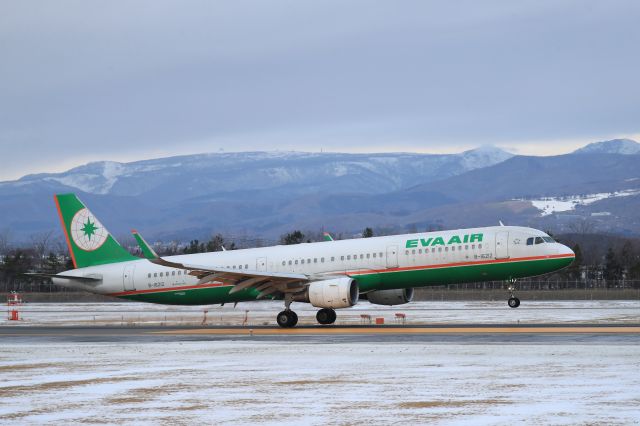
(334, 293)
(391, 297)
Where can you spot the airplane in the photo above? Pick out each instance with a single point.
(329, 275)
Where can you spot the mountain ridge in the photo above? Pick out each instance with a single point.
(269, 193)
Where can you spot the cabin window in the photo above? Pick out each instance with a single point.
(246, 266)
(348, 257)
(302, 261)
(446, 249)
(413, 251)
(479, 246)
(332, 258)
(234, 266)
(368, 256)
(466, 247)
(440, 249)
(284, 262)
(322, 259)
(341, 257)
(374, 255)
(173, 273)
(149, 275)
(296, 261)
(289, 262)
(453, 248)
(315, 260)
(308, 260)
(355, 256)
(473, 246)
(155, 274)
(381, 255)
(179, 272)
(406, 252)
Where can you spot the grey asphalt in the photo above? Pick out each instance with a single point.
(20, 335)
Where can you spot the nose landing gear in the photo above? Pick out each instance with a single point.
(513, 301)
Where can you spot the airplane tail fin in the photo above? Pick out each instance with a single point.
(89, 242)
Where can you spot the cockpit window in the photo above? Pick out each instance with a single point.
(548, 239)
(539, 240)
(530, 241)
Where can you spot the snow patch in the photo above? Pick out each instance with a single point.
(550, 205)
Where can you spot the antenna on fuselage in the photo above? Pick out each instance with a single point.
(500, 222)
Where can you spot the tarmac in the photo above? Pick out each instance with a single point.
(448, 333)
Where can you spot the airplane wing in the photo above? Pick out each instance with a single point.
(265, 282)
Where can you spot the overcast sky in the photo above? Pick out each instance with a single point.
(126, 80)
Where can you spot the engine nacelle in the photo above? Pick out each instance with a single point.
(335, 293)
(391, 297)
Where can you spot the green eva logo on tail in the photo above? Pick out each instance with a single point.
(89, 241)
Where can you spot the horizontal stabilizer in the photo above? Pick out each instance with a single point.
(64, 277)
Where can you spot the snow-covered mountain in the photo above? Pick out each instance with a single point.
(238, 171)
(614, 146)
(268, 193)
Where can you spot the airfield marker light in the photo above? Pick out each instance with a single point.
(14, 301)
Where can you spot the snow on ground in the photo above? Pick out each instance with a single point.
(549, 205)
(276, 383)
(263, 313)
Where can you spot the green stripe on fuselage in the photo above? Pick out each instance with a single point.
(377, 281)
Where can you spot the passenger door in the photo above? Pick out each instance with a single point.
(502, 245)
(392, 256)
(261, 264)
(127, 278)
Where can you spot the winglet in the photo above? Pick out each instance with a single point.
(327, 236)
(147, 251)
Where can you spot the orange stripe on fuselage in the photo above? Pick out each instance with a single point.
(166, 289)
(357, 272)
(449, 265)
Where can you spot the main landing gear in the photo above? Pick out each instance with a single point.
(287, 318)
(513, 301)
(326, 316)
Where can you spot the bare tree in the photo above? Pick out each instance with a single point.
(40, 243)
(5, 241)
(582, 227)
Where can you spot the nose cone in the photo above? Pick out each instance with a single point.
(566, 251)
(566, 254)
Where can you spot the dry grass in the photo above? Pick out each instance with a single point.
(55, 386)
(312, 382)
(450, 403)
(20, 367)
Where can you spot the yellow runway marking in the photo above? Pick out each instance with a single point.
(408, 330)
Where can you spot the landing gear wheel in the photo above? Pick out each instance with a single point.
(287, 319)
(513, 302)
(326, 316)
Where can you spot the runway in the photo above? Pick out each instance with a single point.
(453, 333)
